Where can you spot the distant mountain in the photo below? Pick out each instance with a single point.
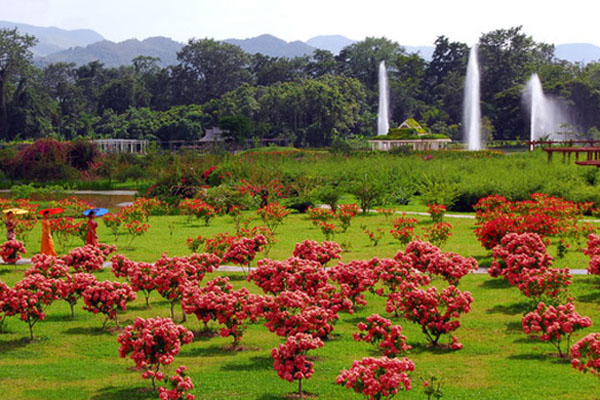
(270, 45)
(51, 40)
(577, 52)
(333, 43)
(113, 54)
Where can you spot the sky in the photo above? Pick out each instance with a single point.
(409, 22)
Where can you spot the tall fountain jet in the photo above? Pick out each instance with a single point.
(471, 106)
(546, 114)
(383, 124)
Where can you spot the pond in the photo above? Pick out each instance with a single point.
(112, 199)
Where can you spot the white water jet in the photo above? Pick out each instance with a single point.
(546, 114)
(383, 124)
(471, 105)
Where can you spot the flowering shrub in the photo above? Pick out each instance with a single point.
(452, 267)
(71, 289)
(218, 301)
(30, 297)
(48, 266)
(313, 251)
(386, 212)
(546, 284)
(194, 244)
(437, 313)
(318, 215)
(88, 258)
(593, 251)
(243, 250)
(438, 233)
(377, 378)
(170, 278)
(114, 222)
(328, 230)
(404, 229)
(354, 278)
(290, 361)
(586, 354)
(198, 209)
(394, 273)
(11, 251)
(66, 228)
(107, 298)
(180, 386)
(519, 252)
(345, 213)
(375, 236)
(24, 228)
(135, 229)
(152, 343)
(554, 324)
(380, 331)
(6, 309)
(292, 312)
(436, 211)
(273, 215)
(263, 193)
(421, 254)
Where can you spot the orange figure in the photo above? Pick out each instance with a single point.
(47, 242)
(11, 224)
(91, 237)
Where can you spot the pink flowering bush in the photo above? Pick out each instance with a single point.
(152, 343)
(436, 312)
(393, 273)
(380, 331)
(181, 385)
(586, 354)
(404, 229)
(273, 215)
(378, 378)
(546, 284)
(6, 294)
(170, 277)
(31, 296)
(354, 278)
(290, 359)
(243, 250)
(11, 251)
(421, 254)
(313, 251)
(88, 258)
(108, 298)
(593, 251)
(452, 267)
(554, 324)
(72, 287)
(48, 266)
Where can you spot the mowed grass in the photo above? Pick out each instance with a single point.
(76, 359)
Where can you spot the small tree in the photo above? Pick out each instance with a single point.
(290, 360)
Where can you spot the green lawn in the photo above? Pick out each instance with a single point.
(75, 359)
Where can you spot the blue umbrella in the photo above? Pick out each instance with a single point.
(98, 212)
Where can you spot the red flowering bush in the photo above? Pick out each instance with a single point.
(107, 298)
(546, 284)
(180, 386)
(404, 229)
(152, 343)
(30, 297)
(377, 378)
(114, 222)
(220, 302)
(554, 324)
(198, 209)
(421, 254)
(134, 229)
(243, 250)
(452, 267)
(438, 233)
(263, 193)
(88, 258)
(345, 213)
(318, 215)
(140, 275)
(518, 252)
(328, 230)
(11, 251)
(586, 354)
(290, 360)
(380, 331)
(273, 215)
(375, 236)
(397, 272)
(24, 228)
(593, 251)
(436, 211)
(293, 312)
(170, 278)
(313, 251)
(355, 278)
(66, 228)
(72, 287)
(436, 312)
(6, 310)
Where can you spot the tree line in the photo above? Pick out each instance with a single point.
(309, 101)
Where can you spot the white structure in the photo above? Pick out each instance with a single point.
(121, 145)
(471, 106)
(383, 124)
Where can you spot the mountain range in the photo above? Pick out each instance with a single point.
(84, 45)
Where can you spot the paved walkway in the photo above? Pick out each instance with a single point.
(235, 268)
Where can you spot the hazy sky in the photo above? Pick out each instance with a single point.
(409, 22)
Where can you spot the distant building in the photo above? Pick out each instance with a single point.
(412, 135)
(122, 145)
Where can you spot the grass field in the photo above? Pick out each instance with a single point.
(75, 359)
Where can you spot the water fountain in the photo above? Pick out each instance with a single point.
(383, 124)
(546, 114)
(471, 106)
